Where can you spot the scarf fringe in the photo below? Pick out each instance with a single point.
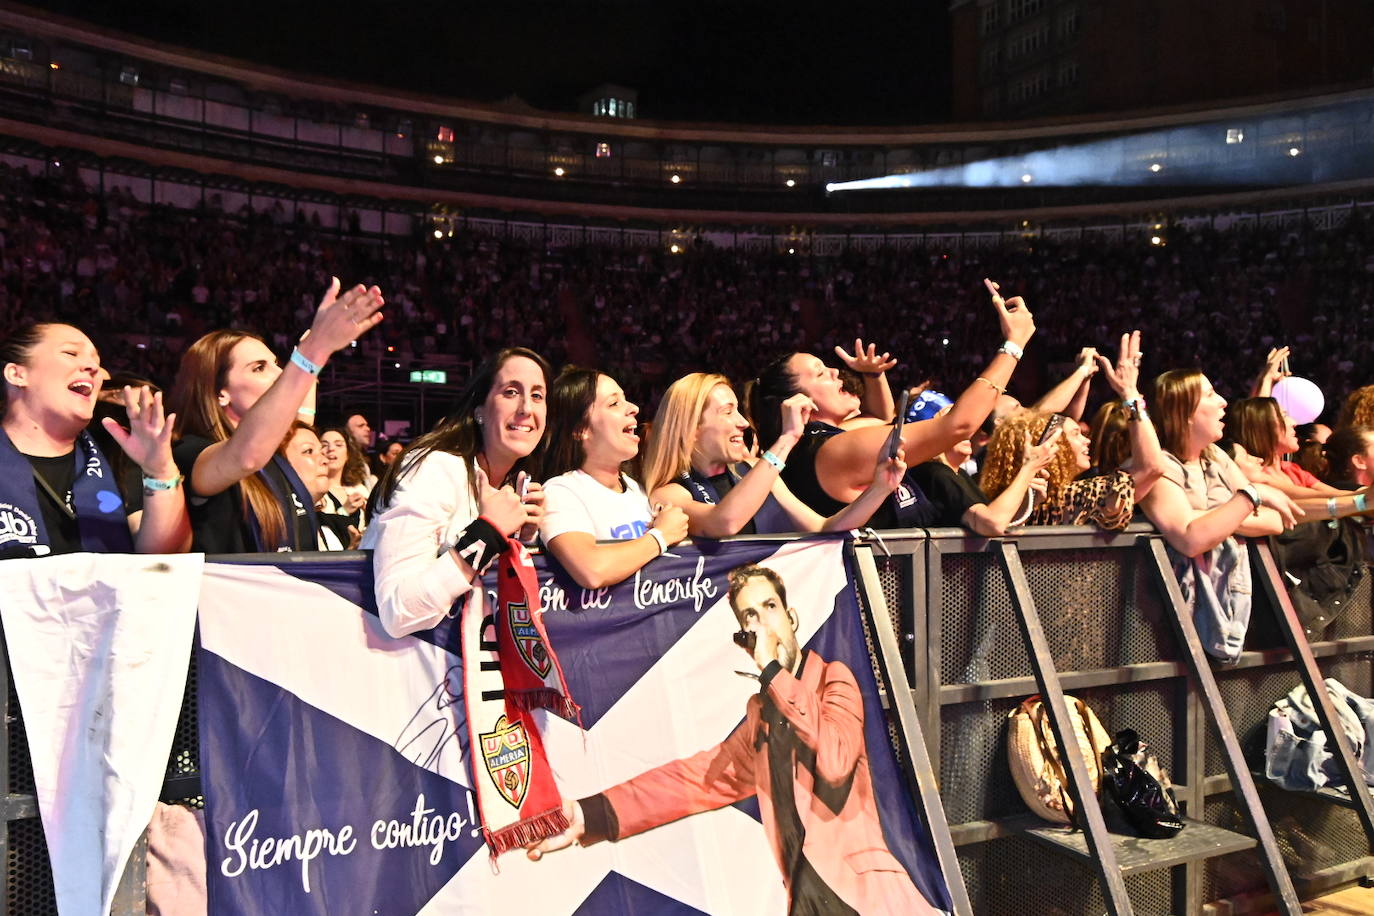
(545, 698)
(526, 831)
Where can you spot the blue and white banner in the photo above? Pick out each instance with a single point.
(334, 764)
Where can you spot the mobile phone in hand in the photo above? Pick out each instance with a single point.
(1056, 421)
(746, 639)
(894, 438)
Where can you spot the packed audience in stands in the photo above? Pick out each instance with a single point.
(1122, 416)
(130, 273)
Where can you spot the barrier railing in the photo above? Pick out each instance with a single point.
(957, 615)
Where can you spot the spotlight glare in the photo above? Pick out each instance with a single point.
(676, 179)
(438, 233)
(1027, 178)
(1294, 151)
(1156, 240)
(1155, 166)
(791, 183)
(558, 171)
(674, 249)
(438, 160)
(791, 251)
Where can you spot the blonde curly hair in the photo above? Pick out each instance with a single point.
(1006, 453)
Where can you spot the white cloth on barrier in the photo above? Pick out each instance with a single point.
(98, 646)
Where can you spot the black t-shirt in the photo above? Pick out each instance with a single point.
(801, 478)
(59, 520)
(953, 492)
(64, 535)
(218, 524)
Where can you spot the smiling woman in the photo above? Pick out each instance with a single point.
(444, 509)
(58, 491)
(593, 432)
(697, 461)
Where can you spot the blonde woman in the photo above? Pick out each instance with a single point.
(697, 461)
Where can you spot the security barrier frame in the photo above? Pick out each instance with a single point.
(952, 602)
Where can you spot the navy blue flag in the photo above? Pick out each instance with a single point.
(336, 776)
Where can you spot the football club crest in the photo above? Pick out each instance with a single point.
(527, 639)
(506, 753)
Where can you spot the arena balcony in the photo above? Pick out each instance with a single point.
(67, 84)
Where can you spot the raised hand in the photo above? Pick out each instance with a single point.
(1017, 323)
(796, 411)
(500, 507)
(1124, 376)
(148, 440)
(866, 361)
(1087, 359)
(342, 319)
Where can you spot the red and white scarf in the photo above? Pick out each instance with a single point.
(509, 670)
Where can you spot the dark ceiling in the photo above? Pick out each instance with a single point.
(760, 61)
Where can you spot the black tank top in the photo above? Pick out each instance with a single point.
(907, 507)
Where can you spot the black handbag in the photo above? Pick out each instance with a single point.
(1133, 779)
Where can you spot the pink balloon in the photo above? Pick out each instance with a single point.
(1302, 399)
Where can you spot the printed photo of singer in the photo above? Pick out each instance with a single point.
(800, 751)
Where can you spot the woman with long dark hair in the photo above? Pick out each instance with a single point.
(350, 480)
(593, 434)
(830, 465)
(234, 406)
(444, 509)
(59, 493)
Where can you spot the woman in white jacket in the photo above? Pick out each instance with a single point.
(445, 508)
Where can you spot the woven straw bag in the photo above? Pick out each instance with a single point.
(1033, 756)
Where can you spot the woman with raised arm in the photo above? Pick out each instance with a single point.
(697, 461)
(1201, 501)
(593, 432)
(830, 465)
(234, 406)
(58, 490)
(444, 510)
(1073, 495)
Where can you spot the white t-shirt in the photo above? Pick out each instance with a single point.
(576, 501)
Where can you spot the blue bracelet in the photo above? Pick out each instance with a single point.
(774, 460)
(1359, 502)
(301, 361)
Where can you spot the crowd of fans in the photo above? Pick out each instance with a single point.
(232, 458)
(137, 275)
(877, 389)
